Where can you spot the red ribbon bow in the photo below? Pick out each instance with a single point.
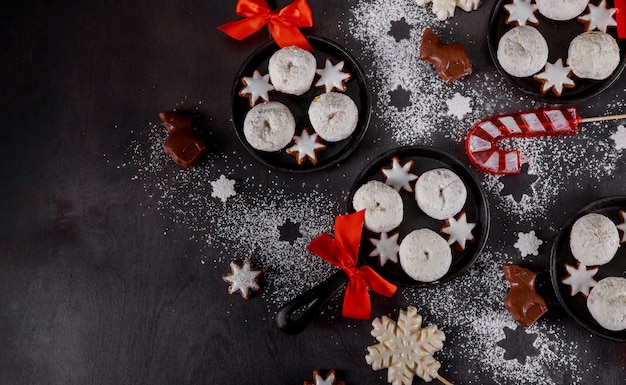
(283, 24)
(620, 17)
(343, 252)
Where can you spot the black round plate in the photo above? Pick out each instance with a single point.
(561, 254)
(558, 34)
(299, 105)
(476, 209)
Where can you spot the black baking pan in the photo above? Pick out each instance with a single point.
(296, 314)
(558, 35)
(356, 89)
(561, 254)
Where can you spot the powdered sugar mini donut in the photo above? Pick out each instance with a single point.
(269, 126)
(607, 303)
(440, 193)
(522, 51)
(561, 9)
(292, 70)
(382, 204)
(593, 55)
(424, 255)
(594, 239)
(333, 116)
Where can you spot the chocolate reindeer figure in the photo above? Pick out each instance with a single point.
(451, 60)
(181, 144)
(522, 301)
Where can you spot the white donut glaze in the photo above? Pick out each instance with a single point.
(382, 204)
(424, 255)
(269, 126)
(607, 303)
(333, 116)
(440, 193)
(593, 55)
(292, 70)
(522, 51)
(594, 239)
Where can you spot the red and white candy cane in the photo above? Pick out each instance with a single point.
(481, 141)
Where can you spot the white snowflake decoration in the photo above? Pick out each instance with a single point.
(242, 279)
(399, 176)
(580, 279)
(386, 248)
(599, 17)
(405, 348)
(620, 137)
(444, 9)
(528, 244)
(223, 188)
(459, 106)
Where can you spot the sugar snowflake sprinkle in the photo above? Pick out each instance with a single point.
(223, 188)
(242, 279)
(405, 348)
(444, 9)
(620, 137)
(386, 248)
(580, 279)
(332, 77)
(256, 87)
(399, 176)
(459, 106)
(528, 244)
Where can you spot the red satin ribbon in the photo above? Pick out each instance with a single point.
(283, 24)
(620, 17)
(342, 251)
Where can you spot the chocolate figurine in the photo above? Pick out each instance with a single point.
(451, 60)
(522, 301)
(182, 144)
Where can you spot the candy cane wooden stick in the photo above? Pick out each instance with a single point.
(481, 141)
(444, 381)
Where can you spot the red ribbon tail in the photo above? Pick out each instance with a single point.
(240, 29)
(376, 282)
(356, 300)
(324, 246)
(287, 35)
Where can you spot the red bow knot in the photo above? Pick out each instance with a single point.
(283, 24)
(343, 251)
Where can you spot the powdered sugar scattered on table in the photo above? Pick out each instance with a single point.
(555, 160)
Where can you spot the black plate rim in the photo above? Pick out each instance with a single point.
(355, 138)
(549, 97)
(471, 182)
(602, 203)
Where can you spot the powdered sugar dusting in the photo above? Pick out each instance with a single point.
(475, 328)
(397, 66)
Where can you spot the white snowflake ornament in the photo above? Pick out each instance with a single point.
(459, 106)
(620, 137)
(528, 244)
(223, 188)
(405, 348)
(242, 279)
(580, 279)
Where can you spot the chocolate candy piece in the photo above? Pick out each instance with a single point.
(451, 60)
(522, 301)
(181, 144)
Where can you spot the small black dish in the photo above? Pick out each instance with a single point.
(558, 34)
(356, 89)
(476, 209)
(576, 306)
(297, 313)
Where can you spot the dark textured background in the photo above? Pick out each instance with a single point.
(91, 292)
